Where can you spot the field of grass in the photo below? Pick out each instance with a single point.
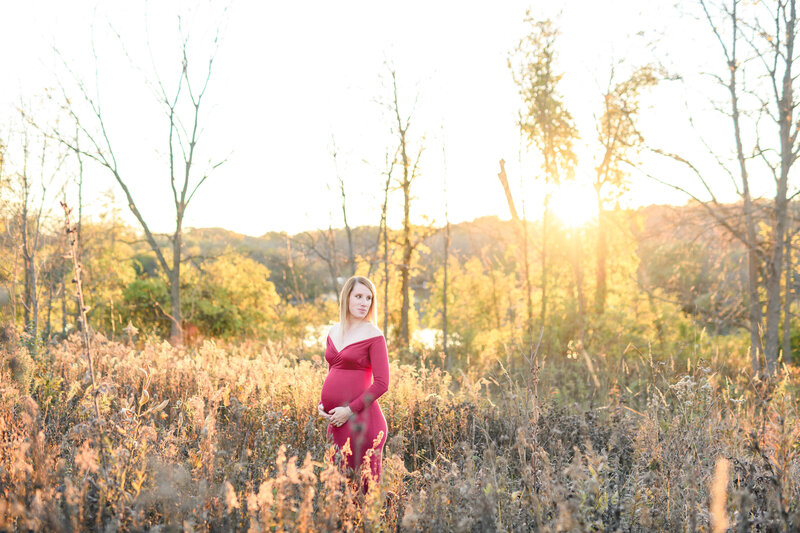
(226, 437)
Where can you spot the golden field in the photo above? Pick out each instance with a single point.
(225, 437)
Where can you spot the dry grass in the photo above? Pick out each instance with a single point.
(227, 438)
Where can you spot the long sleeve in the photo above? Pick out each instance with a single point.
(379, 360)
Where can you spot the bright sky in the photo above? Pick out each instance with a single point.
(291, 76)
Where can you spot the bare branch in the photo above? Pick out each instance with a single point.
(713, 212)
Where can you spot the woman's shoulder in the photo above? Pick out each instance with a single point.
(374, 331)
(335, 329)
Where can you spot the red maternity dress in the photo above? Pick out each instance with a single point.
(358, 376)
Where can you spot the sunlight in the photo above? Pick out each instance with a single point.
(574, 204)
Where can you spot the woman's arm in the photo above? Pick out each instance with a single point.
(325, 362)
(379, 359)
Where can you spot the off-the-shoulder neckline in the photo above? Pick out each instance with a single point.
(352, 343)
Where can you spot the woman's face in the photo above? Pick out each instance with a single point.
(360, 301)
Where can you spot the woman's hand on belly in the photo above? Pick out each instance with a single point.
(323, 414)
(340, 415)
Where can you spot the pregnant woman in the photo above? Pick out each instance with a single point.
(358, 374)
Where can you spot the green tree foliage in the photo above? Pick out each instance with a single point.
(620, 139)
(107, 271)
(544, 118)
(705, 276)
(145, 300)
(231, 296)
(485, 306)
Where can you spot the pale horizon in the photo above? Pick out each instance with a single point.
(290, 78)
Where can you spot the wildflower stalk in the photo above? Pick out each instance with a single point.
(73, 254)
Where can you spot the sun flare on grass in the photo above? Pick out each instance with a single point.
(574, 205)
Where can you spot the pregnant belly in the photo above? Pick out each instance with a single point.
(343, 386)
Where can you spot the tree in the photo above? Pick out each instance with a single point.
(383, 235)
(78, 231)
(448, 361)
(39, 167)
(521, 230)
(618, 137)
(323, 245)
(231, 296)
(790, 292)
(8, 253)
(409, 172)
(544, 120)
(765, 78)
(183, 102)
(351, 257)
(777, 53)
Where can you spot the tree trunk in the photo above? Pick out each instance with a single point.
(550, 176)
(754, 303)
(30, 301)
(577, 270)
(26, 304)
(176, 331)
(351, 253)
(601, 258)
(526, 263)
(290, 263)
(405, 268)
(448, 362)
(385, 279)
(774, 276)
(333, 266)
(773, 285)
(385, 235)
(31, 297)
(787, 304)
(78, 234)
(545, 230)
(408, 250)
(14, 278)
(28, 253)
(63, 303)
(776, 263)
(522, 235)
(49, 308)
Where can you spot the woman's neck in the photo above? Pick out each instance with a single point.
(351, 324)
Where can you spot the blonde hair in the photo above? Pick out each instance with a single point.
(344, 300)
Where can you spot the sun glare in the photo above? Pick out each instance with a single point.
(574, 205)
